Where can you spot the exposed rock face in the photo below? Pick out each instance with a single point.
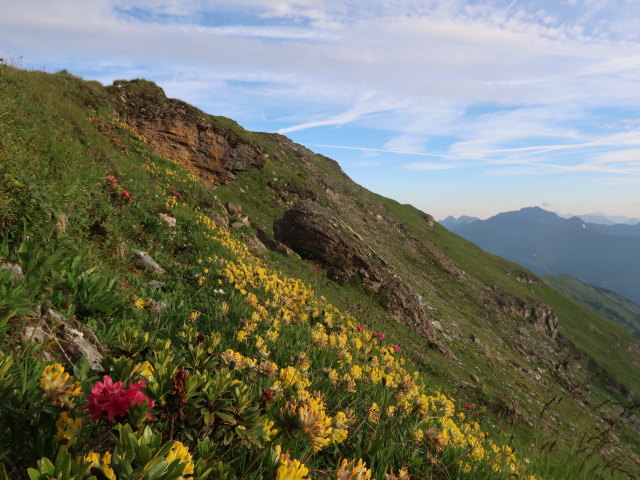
(180, 132)
(543, 316)
(330, 243)
(64, 339)
(145, 261)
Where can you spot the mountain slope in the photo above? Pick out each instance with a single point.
(607, 256)
(514, 352)
(606, 302)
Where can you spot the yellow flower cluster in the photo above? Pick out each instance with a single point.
(350, 470)
(58, 386)
(68, 429)
(181, 453)
(292, 470)
(103, 463)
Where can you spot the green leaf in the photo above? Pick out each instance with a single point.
(45, 466)
(33, 473)
(226, 417)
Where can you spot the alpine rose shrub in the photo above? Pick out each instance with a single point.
(109, 400)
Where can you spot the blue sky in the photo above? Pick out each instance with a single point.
(456, 106)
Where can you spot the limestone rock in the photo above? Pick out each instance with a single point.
(254, 243)
(64, 340)
(17, 275)
(168, 219)
(157, 284)
(543, 316)
(145, 261)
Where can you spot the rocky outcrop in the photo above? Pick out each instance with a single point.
(182, 133)
(322, 238)
(543, 317)
(63, 339)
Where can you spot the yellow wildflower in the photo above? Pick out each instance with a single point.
(58, 387)
(68, 429)
(144, 369)
(292, 470)
(349, 470)
(374, 413)
(103, 463)
(403, 474)
(269, 431)
(181, 453)
(139, 303)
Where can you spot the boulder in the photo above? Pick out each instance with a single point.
(63, 339)
(168, 219)
(145, 261)
(17, 275)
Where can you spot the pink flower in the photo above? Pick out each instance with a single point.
(396, 348)
(110, 177)
(468, 406)
(109, 400)
(380, 335)
(359, 328)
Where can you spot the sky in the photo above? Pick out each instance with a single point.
(455, 106)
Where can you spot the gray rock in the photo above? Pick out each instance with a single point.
(156, 306)
(238, 225)
(233, 209)
(64, 340)
(156, 284)
(144, 260)
(254, 244)
(437, 325)
(168, 219)
(17, 276)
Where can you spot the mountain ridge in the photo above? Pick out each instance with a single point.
(604, 255)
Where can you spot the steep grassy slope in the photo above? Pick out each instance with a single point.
(606, 302)
(248, 343)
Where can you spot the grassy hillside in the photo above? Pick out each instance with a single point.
(249, 364)
(606, 302)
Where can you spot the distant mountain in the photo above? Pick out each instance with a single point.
(603, 219)
(451, 222)
(606, 302)
(604, 255)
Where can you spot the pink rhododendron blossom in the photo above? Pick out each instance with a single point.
(380, 335)
(396, 348)
(109, 400)
(359, 328)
